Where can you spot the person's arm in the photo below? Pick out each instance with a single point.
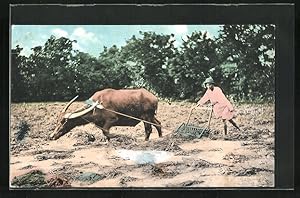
(203, 100)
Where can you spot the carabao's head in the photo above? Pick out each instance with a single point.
(67, 121)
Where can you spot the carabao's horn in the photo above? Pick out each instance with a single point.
(67, 106)
(81, 113)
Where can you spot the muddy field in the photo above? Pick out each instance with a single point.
(83, 158)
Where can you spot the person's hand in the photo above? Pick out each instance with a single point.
(197, 105)
(194, 107)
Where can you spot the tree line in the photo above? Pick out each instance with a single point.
(241, 60)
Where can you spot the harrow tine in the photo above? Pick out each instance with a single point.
(185, 128)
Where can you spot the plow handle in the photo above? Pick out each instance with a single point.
(209, 119)
(189, 116)
(210, 114)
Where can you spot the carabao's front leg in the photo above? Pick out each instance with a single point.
(106, 134)
(106, 127)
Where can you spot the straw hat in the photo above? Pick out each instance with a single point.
(208, 80)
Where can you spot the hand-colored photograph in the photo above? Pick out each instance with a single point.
(142, 106)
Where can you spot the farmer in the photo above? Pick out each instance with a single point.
(221, 105)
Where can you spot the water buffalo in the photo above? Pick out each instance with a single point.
(106, 108)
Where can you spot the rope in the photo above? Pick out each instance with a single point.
(125, 115)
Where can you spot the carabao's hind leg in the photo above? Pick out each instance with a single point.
(148, 131)
(158, 126)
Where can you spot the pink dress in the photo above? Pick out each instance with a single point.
(222, 107)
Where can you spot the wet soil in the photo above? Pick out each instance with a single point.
(83, 157)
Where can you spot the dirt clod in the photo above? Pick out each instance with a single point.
(23, 129)
(45, 155)
(160, 170)
(236, 158)
(32, 179)
(58, 182)
(245, 171)
(124, 180)
(27, 167)
(65, 171)
(89, 177)
(84, 138)
(190, 183)
(113, 174)
(204, 164)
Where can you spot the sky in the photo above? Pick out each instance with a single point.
(92, 38)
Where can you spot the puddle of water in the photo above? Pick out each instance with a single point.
(144, 157)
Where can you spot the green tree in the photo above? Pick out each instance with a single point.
(50, 72)
(18, 73)
(248, 56)
(116, 71)
(88, 72)
(148, 59)
(197, 59)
